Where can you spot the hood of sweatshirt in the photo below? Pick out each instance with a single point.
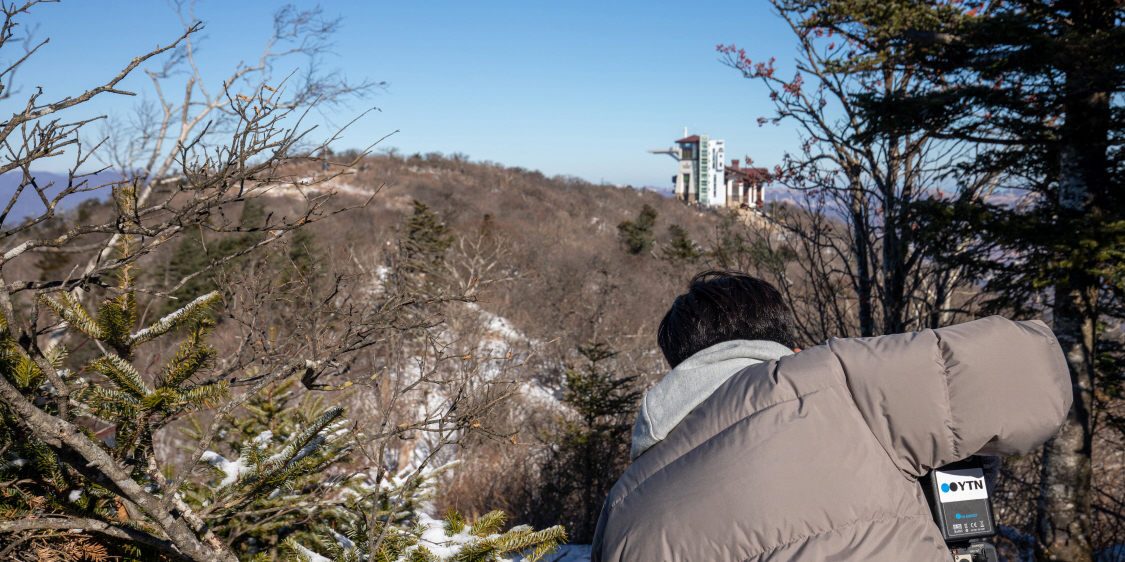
(692, 382)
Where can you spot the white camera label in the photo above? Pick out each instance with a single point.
(960, 485)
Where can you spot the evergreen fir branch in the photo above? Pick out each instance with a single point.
(519, 539)
(200, 396)
(307, 441)
(454, 523)
(193, 356)
(160, 399)
(301, 553)
(108, 404)
(130, 435)
(477, 551)
(116, 317)
(196, 310)
(24, 371)
(56, 355)
(257, 474)
(166, 400)
(281, 470)
(552, 538)
(122, 373)
(69, 309)
(422, 554)
(11, 360)
(490, 522)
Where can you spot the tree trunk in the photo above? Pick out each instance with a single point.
(864, 286)
(1065, 484)
(1065, 507)
(894, 279)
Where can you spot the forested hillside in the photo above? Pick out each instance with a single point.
(567, 277)
(234, 342)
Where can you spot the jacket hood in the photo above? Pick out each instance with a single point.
(692, 382)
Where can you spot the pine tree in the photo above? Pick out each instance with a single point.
(590, 452)
(1033, 87)
(192, 256)
(266, 494)
(189, 257)
(114, 392)
(451, 539)
(681, 248)
(290, 494)
(129, 403)
(424, 240)
(637, 235)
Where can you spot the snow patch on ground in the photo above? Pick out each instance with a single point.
(498, 334)
(538, 395)
(311, 187)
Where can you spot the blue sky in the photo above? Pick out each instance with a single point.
(578, 88)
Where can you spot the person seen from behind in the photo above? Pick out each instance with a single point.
(751, 450)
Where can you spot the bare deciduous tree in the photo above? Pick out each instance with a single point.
(184, 167)
(853, 239)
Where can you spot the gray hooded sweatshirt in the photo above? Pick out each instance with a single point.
(691, 382)
(815, 456)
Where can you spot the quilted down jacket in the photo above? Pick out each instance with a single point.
(815, 456)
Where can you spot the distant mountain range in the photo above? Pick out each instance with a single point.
(29, 203)
(1003, 197)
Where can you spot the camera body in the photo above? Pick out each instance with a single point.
(958, 499)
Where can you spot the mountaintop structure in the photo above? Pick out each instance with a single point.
(703, 179)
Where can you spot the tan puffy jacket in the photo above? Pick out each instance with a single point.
(816, 456)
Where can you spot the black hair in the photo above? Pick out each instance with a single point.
(722, 306)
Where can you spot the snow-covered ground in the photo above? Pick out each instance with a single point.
(312, 186)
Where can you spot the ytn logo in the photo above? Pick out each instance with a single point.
(959, 485)
(962, 486)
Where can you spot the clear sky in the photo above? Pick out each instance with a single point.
(580, 88)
